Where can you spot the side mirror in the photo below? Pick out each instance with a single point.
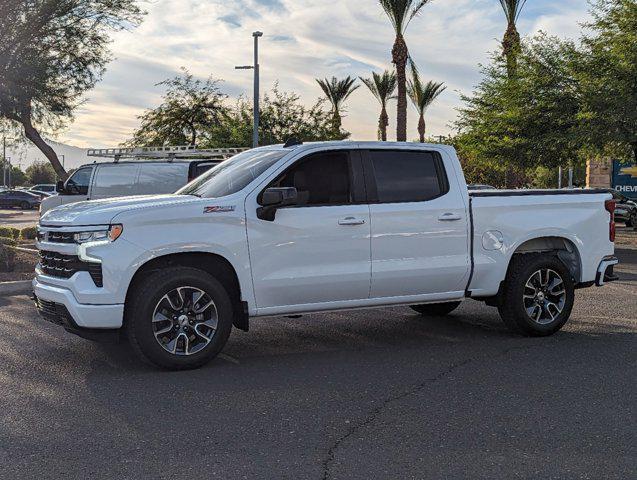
(275, 198)
(59, 186)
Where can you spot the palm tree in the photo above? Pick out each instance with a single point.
(401, 13)
(337, 91)
(511, 40)
(422, 95)
(382, 87)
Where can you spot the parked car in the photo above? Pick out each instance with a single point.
(119, 179)
(20, 199)
(43, 188)
(480, 186)
(288, 230)
(626, 209)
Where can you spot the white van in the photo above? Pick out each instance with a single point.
(121, 179)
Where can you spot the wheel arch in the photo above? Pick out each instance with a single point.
(564, 248)
(212, 263)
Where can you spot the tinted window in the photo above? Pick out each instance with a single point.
(234, 174)
(79, 181)
(403, 176)
(320, 179)
(162, 178)
(115, 181)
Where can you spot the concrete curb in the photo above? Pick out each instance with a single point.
(23, 287)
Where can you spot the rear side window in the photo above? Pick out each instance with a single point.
(161, 178)
(115, 181)
(404, 176)
(320, 179)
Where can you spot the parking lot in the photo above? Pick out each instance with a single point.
(366, 394)
(18, 218)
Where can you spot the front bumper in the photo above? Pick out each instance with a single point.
(83, 315)
(605, 272)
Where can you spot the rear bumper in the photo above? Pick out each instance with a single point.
(605, 272)
(83, 315)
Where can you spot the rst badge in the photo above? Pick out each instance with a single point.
(219, 209)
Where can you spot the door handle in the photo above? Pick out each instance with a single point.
(449, 217)
(351, 221)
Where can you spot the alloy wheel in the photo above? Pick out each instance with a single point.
(544, 296)
(185, 321)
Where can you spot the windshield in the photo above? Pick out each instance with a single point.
(232, 175)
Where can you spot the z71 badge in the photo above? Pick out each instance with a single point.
(219, 209)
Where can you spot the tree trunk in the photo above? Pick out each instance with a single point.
(33, 135)
(511, 48)
(421, 128)
(383, 122)
(336, 122)
(400, 54)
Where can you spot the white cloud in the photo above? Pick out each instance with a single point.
(304, 39)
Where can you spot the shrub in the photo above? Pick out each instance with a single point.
(28, 233)
(10, 232)
(7, 254)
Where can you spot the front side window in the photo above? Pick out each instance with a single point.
(407, 176)
(79, 182)
(320, 179)
(233, 175)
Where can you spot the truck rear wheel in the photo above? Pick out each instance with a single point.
(537, 296)
(436, 309)
(179, 318)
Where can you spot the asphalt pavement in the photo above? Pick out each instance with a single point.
(376, 394)
(19, 218)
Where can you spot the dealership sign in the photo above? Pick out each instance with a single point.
(625, 178)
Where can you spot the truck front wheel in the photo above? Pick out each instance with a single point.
(537, 296)
(178, 318)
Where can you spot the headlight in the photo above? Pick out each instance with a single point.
(110, 235)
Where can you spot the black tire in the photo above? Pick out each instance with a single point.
(147, 295)
(25, 206)
(436, 309)
(512, 308)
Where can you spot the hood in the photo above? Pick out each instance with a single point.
(101, 212)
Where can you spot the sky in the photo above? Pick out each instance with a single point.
(303, 40)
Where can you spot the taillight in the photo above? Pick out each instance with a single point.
(610, 208)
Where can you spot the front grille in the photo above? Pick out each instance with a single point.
(56, 237)
(54, 312)
(61, 237)
(65, 266)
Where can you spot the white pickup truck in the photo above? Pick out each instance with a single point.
(299, 228)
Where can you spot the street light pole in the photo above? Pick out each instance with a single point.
(255, 67)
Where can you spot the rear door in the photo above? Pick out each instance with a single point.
(316, 252)
(419, 234)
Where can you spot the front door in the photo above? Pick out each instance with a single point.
(420, 235)
(317, 251)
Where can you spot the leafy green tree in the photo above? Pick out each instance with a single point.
(422, 95)
(16, 178)
(40, 172)
(382, 87)
(282, 116)
(606, 71)
(511, 40)
(51, 53)
(189, 108)
(400, 14)
(530, 120)
(337, 92)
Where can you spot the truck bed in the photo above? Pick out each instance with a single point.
(506, 221)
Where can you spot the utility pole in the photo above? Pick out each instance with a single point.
(255, 67)
(559, 178)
